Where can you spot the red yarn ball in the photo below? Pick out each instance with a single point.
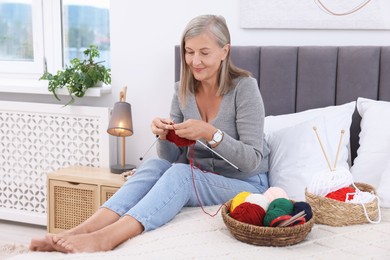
(179, 141)
(249, 213)
(341, 194)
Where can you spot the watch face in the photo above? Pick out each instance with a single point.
(217, 136)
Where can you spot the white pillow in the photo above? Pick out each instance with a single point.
(373, 154)
(295, 153)
(331, 113)
(384, 188)
(296, 157)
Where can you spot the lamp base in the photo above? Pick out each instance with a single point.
(119, 168)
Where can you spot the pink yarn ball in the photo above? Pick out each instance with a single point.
(275, 193)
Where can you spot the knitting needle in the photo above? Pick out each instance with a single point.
(200, 142)
(322, 148)
(141, 158)
(338, 149)
(292, 219)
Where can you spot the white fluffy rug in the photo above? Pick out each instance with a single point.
(194, 235)
(8, 250)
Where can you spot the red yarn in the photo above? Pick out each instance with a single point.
(193, 166)
(249, 213)
(341, 194)
(179, 141)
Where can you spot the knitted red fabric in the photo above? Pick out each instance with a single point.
(341, 194)
(179, 141)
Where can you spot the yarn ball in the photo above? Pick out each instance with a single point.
(281, 203)
(341, 194)
(301, 205)
(271, 215)
(258, 199)
(278, 207)
(330, 181)
(249, 213)
(274, 193)
(238, 199)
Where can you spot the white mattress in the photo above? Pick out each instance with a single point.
(194, 235)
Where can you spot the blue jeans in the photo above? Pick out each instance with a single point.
(159, 190)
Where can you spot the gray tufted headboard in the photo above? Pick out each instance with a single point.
(293, 79)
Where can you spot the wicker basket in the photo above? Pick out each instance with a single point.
(265, 236)
(337, 213)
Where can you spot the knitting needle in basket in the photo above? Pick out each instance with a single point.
(292, 219)
(223, 158)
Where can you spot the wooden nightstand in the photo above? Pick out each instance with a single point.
(75, 193)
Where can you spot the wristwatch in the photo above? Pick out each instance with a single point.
(217, 137)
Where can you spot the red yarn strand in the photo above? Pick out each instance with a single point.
(180, 141)
(193, 183)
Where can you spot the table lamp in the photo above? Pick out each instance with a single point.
(121, 125)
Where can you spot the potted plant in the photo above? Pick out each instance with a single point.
(79, 75)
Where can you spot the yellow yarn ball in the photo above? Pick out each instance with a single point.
(238, 199)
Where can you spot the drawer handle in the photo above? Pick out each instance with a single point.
(73, 183)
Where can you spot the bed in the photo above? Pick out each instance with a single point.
(292, 79)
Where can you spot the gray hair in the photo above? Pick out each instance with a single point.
(216, 27)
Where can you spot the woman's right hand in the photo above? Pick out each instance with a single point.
(159, 127)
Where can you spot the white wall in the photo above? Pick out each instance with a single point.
(143, 34)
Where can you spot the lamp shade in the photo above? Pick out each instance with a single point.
(121, 123)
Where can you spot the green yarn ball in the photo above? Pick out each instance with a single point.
(271, 215)
(281, 203)
(278, 207)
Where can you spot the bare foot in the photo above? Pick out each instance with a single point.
(91, 242)
(44, 244)
(70, 232)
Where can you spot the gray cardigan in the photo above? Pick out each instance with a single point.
(241, 118)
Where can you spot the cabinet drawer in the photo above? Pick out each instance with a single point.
(70, 204)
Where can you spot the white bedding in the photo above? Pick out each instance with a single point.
(194, 235)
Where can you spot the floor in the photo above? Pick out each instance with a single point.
(19, 233)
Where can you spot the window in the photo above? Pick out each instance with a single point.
(46, 34)
(21, 41)
(16, 19)
(85, 22)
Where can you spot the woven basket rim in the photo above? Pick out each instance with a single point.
(265, 236)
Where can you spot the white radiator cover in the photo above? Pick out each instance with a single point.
(36, 139)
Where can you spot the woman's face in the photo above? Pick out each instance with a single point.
(204, 56)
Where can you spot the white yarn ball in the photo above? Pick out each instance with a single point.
(330, 181)
(258, 199)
